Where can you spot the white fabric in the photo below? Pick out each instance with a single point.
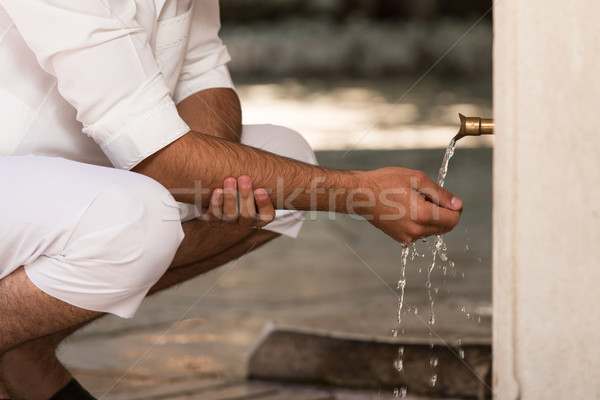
(110, 68)
(114, 70)
(94, 237)
(120, 81)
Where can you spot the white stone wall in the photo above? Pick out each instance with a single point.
(547, 199)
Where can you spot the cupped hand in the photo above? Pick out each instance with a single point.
(406, 204)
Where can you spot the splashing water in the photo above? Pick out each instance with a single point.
(438, 251)
(400, 392)
(461, 351)
(433, 362)
(402, 280)
(433, 380)
(399, 363)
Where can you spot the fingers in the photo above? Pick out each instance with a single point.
(230, 199)
(266, 211)
(238, 207)
(432, 210)
(215, 208)
(435, 193)
(246, 200)
(430, 219)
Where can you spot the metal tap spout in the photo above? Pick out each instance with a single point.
(474, 126)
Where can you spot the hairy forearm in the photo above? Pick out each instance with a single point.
(197, 163)
(403, 203)
(215, 112)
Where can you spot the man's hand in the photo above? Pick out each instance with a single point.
(405, 204)
(238, 208)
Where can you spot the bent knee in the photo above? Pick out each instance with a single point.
(279, 140)
(118, 248)
(145, 224)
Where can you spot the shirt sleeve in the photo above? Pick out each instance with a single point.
(105, 69)
(205, 63)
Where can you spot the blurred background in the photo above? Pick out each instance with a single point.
(369, 84)
(334, 70)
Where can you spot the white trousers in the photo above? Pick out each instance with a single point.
(97, 237)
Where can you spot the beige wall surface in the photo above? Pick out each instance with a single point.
(547, 199)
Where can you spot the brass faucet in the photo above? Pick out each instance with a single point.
(474, 126)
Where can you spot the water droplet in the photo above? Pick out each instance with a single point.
(461, 353)
(401, 284)
(451, 264)
(401, 351)
(428, 285)
(394, 333)
(433, 380)
(431, 320)
(436, 289)
(416, 310)
(398, 365)
(459, 341)
(415, 253)
(466, 247)
(400, 392)
(433, 362)
(463, 309)
(443, 256)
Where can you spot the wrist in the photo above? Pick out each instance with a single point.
(357, 197)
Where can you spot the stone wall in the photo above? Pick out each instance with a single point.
(546, 209)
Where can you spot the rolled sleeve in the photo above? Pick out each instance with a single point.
(205, 63)
(105, 68)
(139, 126)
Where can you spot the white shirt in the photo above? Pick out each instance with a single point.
(113, 69)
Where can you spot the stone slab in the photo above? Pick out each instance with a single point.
(354, 361)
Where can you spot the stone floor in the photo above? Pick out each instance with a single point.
(214, 389)
(340, 275)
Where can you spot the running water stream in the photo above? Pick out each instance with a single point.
(438, 251)
(439, 246)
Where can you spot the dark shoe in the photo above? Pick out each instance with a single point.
(73, 391)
